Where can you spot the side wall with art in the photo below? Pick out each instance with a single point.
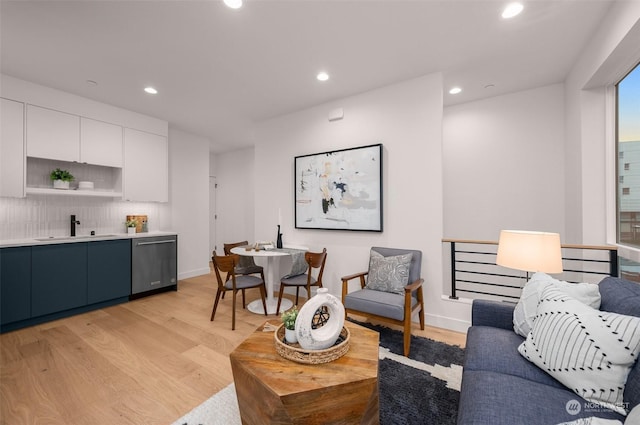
(407, 119)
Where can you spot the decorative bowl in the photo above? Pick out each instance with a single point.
(298, 354)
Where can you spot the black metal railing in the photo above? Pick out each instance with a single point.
(474, 271)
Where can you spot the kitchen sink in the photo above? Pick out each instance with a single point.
(71, 238)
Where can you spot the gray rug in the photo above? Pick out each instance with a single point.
(422, 389)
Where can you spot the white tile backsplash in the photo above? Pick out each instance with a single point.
(49, 215)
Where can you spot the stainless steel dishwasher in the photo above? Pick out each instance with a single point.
(154, 264)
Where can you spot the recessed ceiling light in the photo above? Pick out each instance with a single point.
(322, 76)
(150, 90)
(233, 4)
(512, 9)
(92, 83)
(455, 90)
(489, 86)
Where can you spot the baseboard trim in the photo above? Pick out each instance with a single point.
(193, 273)
(452, 324)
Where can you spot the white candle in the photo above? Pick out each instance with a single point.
(279, 217)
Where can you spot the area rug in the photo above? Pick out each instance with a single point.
(421, 389)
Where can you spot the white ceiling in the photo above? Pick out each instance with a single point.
(219, 70)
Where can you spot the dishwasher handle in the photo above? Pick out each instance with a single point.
(156, 242)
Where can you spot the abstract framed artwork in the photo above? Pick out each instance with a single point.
(340, 190)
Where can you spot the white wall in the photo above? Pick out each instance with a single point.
(503, 161)
(407, 119)
(235, 176)
(189, 200)
(613, 51)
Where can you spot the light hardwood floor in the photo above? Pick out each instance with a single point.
(149, 361)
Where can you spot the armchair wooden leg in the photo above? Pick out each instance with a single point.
(407, 336)
(297, 293)
(279, 299)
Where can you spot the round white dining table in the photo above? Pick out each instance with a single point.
(270, 277)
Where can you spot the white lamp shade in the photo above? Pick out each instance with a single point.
(530, 251)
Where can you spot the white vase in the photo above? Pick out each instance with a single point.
(290, 335)
(131, 230)
(326, 335)
(59, 184)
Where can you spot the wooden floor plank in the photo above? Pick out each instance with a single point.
(148, 361)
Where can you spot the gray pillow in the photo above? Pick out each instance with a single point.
(299, 264)
(388, 274)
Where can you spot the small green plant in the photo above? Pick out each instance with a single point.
(289, 318)
(63, 175)
(130, 223)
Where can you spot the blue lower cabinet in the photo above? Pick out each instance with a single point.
(109, 268)
(15, 284)
(59, 278)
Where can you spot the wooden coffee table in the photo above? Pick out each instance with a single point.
(275, 390)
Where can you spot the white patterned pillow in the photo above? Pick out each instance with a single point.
(388, 274)
(593, 420)
(525, 311)
(589, 351)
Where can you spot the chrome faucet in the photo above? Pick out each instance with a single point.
(73, 224)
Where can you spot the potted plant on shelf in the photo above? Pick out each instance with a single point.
(289, 321)
(61, 178)
(131, 226)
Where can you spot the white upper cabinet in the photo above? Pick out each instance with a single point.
(100, 143)
(11, 148)
(52, 134)
(146, 166)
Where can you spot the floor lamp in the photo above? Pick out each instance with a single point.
(530, 251)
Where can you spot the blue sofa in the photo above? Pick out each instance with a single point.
(499, 386)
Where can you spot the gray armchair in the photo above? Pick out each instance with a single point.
(393, 307)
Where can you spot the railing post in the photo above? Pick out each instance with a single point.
(613, 263)
(453, 272)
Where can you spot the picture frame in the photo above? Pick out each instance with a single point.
(340, 190)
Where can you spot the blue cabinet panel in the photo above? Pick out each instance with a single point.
(15, 284)
(109, 267)
(59, 277)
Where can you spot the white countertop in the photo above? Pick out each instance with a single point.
(80, 238)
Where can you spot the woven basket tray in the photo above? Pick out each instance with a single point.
(298, 354)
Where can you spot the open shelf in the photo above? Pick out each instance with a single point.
(72, 192)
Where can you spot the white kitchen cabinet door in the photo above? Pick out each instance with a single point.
(146, 166)
(100, 143)
(12, 148)
(52, 134)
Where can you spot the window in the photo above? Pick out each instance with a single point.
(628, 147)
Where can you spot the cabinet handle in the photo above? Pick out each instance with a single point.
(155, 242)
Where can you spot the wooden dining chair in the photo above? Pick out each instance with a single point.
(245, 265)
(315, 260)
(234, 283)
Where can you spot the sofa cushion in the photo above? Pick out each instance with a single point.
(525, 310)
(388, 274)
(590, 351)
(496, 350)
(620, 296)
(491, 398)
(623, 297)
